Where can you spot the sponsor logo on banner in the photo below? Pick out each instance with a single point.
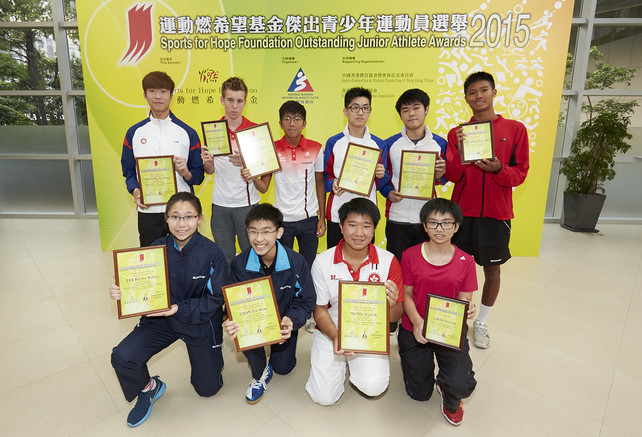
(300, 90)
(300, 83)
(139, 20)
(134, 49)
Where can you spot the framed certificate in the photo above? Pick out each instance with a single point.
(478, 144)
(445, 320)
(141, 274)
(156, 178)
(417, 174)
(358, 168)
(216, 137)
(257, 150)
(364, 316)
(253, 306)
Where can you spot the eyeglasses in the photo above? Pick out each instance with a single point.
(264, 233)
(294, 119)
(177, 218)
(446, 226)
(356, 108)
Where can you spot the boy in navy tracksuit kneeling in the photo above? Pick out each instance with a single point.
(293, 289)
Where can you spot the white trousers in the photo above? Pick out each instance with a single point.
(369, 373)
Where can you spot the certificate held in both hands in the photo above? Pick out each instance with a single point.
(156, 178)
(358, 168)
(478, 143)
(253, 306)
(445, 320)
(142, 276)
(417, 174)
(364, 317)
(257, 150)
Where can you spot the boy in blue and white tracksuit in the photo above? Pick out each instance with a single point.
(160, 134)
(403, 227)
(293, 289)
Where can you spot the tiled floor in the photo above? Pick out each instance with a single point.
(565, 357)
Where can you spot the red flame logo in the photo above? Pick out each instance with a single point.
(140, 33)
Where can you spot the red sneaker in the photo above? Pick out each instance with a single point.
(452, 418)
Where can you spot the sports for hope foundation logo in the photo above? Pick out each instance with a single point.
(120, 47)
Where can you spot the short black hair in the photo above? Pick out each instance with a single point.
(360, 206)
(355, 92)
(442, 206)
(480, 75)
(264, 211)
(412, 96)
(292, 107)
(184, 196)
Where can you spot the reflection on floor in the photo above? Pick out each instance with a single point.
(564, 359)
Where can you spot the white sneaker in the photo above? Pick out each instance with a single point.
(310, 325)
(480, 335)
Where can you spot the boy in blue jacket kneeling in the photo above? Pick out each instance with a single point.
(293, 289)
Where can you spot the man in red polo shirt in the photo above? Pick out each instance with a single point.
(299, 187)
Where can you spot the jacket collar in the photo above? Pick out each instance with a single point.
(190, 244)
(364, 140)
(281, 263)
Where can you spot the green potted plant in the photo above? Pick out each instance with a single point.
(601, 136)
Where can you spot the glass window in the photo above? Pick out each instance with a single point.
(618, 9)
(70, 10)
(81, 122)
(620, 47)
(621, 200)
(41, 186)
(29, 140)
(30, 110)
(25, 10)
(89, 191)
(561, 127)
(552, 199)
(572, 46)
(28, 59)
(577, 9)
(73, 42)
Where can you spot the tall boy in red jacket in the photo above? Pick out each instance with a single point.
(484, 191)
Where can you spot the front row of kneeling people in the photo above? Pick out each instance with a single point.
(197, 271)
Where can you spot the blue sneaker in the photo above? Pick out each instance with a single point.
(256, 388)
(143, 406)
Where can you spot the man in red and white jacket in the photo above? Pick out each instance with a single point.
(484, 191)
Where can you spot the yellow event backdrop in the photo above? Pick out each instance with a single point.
(336, 45)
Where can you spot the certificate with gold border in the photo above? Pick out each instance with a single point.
(478, 143)
(141, 274)
(364, 316)
(358, 168)
(445, 320)
(216, 136)
(253, 306)
(156, 178)
(417, 174)
(257, 150)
